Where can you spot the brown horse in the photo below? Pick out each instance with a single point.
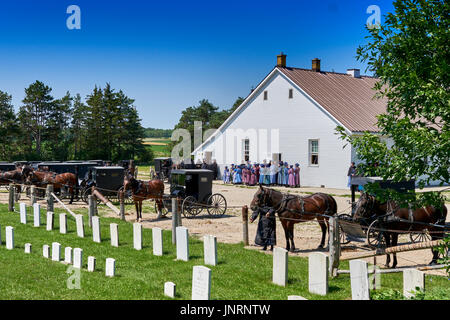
(402, 219)
(294, 209)
(153, 189)
(15, 176)
(59, 181)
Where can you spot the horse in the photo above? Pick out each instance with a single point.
(153, 189)
(14, 176)
(293, 209)
(402, 219)
(43, 178)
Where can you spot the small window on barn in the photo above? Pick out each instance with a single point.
(314, 152)
(266, 94)
(246, 149)
(291, 93)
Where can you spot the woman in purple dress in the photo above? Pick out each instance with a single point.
(297, 175)
(253, 180)
(291, 176)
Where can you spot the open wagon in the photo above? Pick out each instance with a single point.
(193, 189)
(368, 230)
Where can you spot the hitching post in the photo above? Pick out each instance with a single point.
(12, 189)
(122, 205)
(48, 194)
(245, 224)
(33, 195)
(174, 220)
(179, 223)
(334, 246)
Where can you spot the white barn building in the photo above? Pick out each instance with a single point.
(292, 116)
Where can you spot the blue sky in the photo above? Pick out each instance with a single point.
(169, 55)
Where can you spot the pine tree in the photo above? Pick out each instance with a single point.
(9, 128)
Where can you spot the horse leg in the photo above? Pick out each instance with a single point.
(291, 237)
(71, 194)
(140, 210)
(394, 243)
(136, 204)
(286, 234)
(387, 238)
(158, 202)
(434, 251)
(323, 227)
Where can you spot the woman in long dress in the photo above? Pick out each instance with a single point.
(280, 177)
(253, 180)
(286, 174)
(261, 174)
(237, 175)
(297, 175)
(226, 175)
(291, 176)
(266, 233)
(267, 174)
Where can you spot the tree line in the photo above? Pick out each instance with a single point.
(106, 126)
(157, 133)
(206, 112)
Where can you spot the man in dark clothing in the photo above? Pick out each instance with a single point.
(266, 232)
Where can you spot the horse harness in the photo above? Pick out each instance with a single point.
(282, 206)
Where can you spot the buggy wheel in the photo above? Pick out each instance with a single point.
(375, 237)
(190, 207)
(217, 204)
(164, 209)
(420, 236)
(342, 235)
(85, 195)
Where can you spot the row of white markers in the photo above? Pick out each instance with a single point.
(318, 261)
(201, 282)
(361, 278)
(182, 234)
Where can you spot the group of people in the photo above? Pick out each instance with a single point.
(281, 174)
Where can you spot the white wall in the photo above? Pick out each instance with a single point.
(295, 121)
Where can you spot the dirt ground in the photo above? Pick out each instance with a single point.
(228, 228)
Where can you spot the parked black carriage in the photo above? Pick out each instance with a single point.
(108, 181)
(193, 188)
(163, 167)
(368, 229)
(7, 166)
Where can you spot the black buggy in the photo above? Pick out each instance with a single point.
(163, 168)
(7, 166)
(108, 180)
(368, 229)
(193, 189)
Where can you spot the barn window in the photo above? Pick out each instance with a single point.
(291, 93)
(266, 94)
(314, 152)
(246, 149)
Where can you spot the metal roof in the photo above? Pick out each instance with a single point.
(349, 100)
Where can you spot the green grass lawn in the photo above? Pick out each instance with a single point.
(240, 274)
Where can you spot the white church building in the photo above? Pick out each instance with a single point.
(291, 116)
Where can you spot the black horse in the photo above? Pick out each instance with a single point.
(402, 219)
